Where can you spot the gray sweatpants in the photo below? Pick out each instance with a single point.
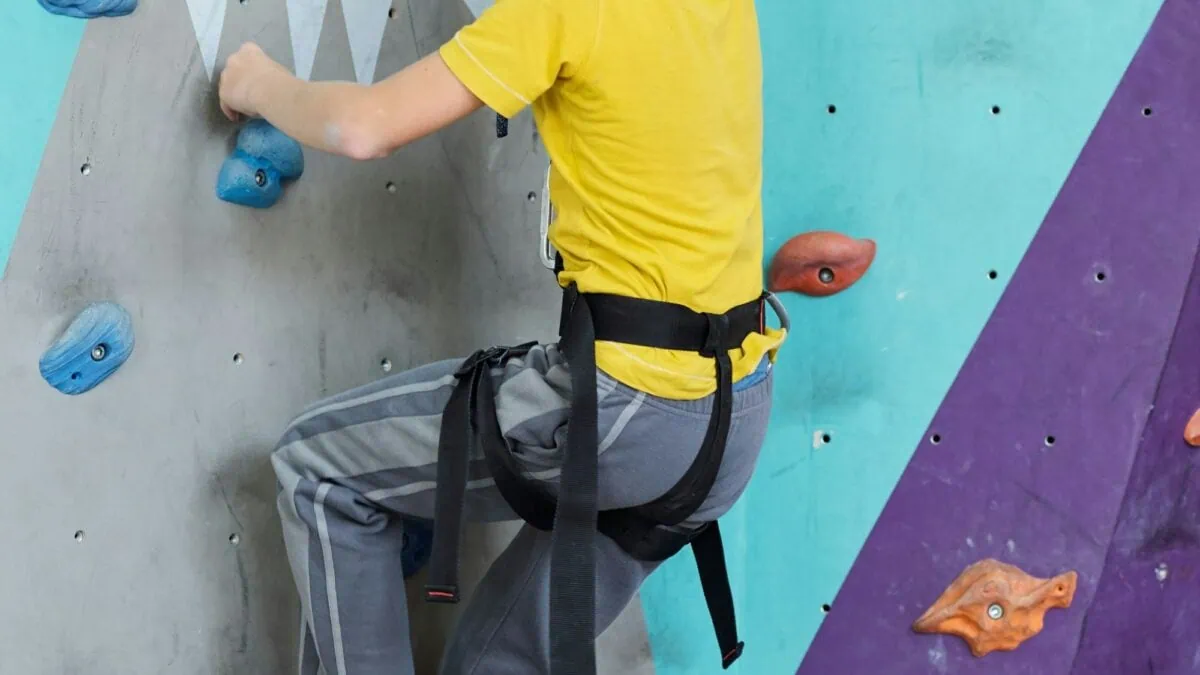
(350, 466)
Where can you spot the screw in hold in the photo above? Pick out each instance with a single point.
(995, 611)
(825, 275)
(99, 352)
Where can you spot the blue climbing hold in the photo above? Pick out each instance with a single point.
(89, 9)
(418, 545)
(96, 343)
(264, 159)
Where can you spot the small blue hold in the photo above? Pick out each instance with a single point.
(264, 159)
(96, 343)
(89, 9)
(418, 544)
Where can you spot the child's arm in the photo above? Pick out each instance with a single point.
(361, 122)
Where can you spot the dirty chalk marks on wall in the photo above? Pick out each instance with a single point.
(365, 21)
(208, 18)
(305, 18)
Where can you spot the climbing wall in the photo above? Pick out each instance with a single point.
(962, 137)
(140, 519)
(1009, 379)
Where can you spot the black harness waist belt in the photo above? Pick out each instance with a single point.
(649, 532)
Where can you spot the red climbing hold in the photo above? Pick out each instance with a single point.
(1191, 433)
(820, 263)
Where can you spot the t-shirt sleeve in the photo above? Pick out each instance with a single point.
(518, 49)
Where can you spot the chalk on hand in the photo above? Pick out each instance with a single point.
(264, 159)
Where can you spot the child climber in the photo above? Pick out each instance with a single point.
(619, 444)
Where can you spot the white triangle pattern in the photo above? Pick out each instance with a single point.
(365, 23)
(208, 20)
(305, 19)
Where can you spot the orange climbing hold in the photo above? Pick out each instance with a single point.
(994, 606)
(820, 263)
(1191, 433)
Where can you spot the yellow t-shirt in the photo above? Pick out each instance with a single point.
(651, 112)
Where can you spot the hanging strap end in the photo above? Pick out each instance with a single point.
(732, 655)
(442, 594)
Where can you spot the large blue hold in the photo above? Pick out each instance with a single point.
(264, 159)
(96, 343)
(89, 9)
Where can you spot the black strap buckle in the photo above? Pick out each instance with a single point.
(718, 335)
(492, 356)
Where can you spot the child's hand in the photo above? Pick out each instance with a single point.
(243, 73)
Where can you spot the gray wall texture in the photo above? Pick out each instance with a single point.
(139, 518)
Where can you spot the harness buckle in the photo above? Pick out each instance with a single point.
(492, 356)
(718, 335)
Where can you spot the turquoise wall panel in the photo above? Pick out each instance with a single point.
(37, 50)
(954, 124)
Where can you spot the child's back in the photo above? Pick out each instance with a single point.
(651, 111)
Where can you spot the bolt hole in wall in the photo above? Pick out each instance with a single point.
(234, 539)
(86, 169)
(532, 197)
(1100, 276)
(831, 109)
(385, 365)
(238, 358)
(826, 608)
(935, 439)
(79, 536)
(1050, 441)
(391, 12)
(995, 110)
(391, 187)
(1147, 111)
(992, 274)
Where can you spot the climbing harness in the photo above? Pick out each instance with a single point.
(649, 532)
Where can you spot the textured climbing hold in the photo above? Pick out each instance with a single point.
(417, 546)
(820, 263)
(264, 159)
(994, 606)
(92, 347)
(1191, 433)
(89, 9)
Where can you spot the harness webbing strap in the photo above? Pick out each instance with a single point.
(572, 542)
(647, 532)
(714, 579)
(472, 402)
